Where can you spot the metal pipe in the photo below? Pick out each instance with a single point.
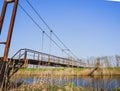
(9, 1)
(2, 42)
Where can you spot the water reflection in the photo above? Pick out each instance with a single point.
(106, 83)
(98, 83)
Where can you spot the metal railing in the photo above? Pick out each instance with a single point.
(39, 56)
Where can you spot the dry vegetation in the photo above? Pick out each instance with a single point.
(67, 72)
(43, 85)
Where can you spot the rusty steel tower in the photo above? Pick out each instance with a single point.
(9, 36)
(4, 59)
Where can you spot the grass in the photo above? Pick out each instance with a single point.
(54, 73)
(41, 69)
(70, 71)
(117, 89)
(44, 69)
(46, 87)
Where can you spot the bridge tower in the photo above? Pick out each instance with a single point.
(4, 59)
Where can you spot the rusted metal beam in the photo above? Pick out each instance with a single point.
(9, 1)
(2, 42)
(10, 30)
(4, 68)
(3, 15)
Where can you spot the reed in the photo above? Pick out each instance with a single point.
(68, 72)
(47, 87)
(43, 78)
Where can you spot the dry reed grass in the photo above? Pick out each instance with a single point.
(66, 72)
(43, 85)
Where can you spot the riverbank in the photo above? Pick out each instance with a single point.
(46, 87)
(68, 72)
(65, 79)
(42, 86)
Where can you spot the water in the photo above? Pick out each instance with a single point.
(106, 83)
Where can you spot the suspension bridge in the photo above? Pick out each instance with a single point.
(52, 60)
(25, 57)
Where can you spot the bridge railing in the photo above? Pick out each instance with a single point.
(39, 56)
(112, 61)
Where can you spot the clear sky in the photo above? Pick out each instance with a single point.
(87, 27)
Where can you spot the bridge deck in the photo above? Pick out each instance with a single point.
(42, 63)
(28, 56)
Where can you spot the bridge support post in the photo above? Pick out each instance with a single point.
(4, 70)
(9, 36)
(4, 75)
(25, 59)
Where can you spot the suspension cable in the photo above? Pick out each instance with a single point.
(31, 18)
(50, 43)
(43, 40)
(38, 15)
(40, 27)
(51, 29)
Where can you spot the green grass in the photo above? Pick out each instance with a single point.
(54, 69)
(117, 89)
(79, 69)
(113, 67)
(38, 69)
(70, 71)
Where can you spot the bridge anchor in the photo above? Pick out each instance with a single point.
(97, 66)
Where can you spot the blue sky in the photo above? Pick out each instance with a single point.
(87, 27)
